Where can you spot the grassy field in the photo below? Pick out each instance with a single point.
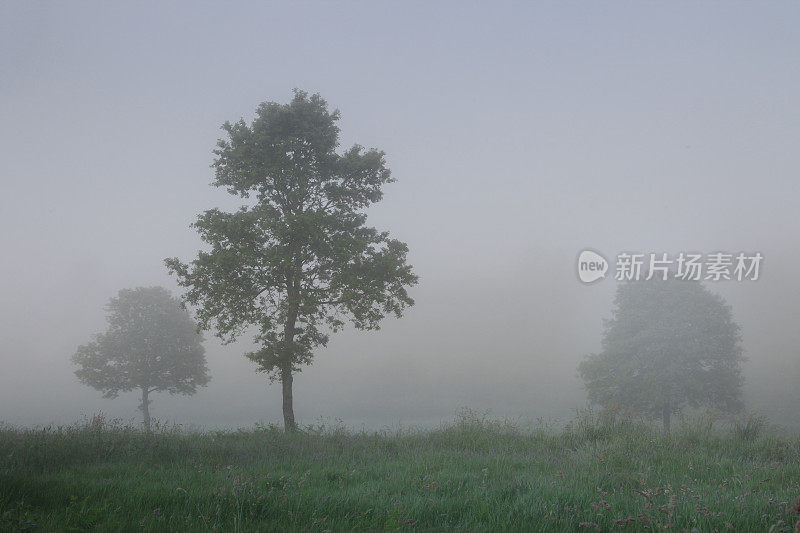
(598, 474)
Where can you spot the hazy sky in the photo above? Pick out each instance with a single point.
(518, 134)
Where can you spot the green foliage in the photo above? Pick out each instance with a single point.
(299, 262)
(17, 516)
(669, 345)
(83, 516)
(607, 471)
(151, 343)
(301, 259)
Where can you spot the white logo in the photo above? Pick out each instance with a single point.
(591, 266)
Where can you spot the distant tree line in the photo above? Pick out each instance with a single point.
(298, 262)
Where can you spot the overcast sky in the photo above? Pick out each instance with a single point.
(518, 134)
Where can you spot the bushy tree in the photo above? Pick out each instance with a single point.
(152, 345)
(669, 344)
(299, 261)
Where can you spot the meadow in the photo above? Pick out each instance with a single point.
(599, 473)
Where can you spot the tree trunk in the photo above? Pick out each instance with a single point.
(666, 411)
(288, 409)
(145, 407)
(293, 301)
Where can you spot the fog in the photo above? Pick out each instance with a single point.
(519, 135)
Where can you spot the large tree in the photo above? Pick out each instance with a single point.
(669, 344)
(152, 345)
(298, 261)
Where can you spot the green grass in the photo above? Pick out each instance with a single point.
(598, 474)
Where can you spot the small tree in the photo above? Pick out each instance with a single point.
(152, 344)
(668, 344)
(300, 261)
